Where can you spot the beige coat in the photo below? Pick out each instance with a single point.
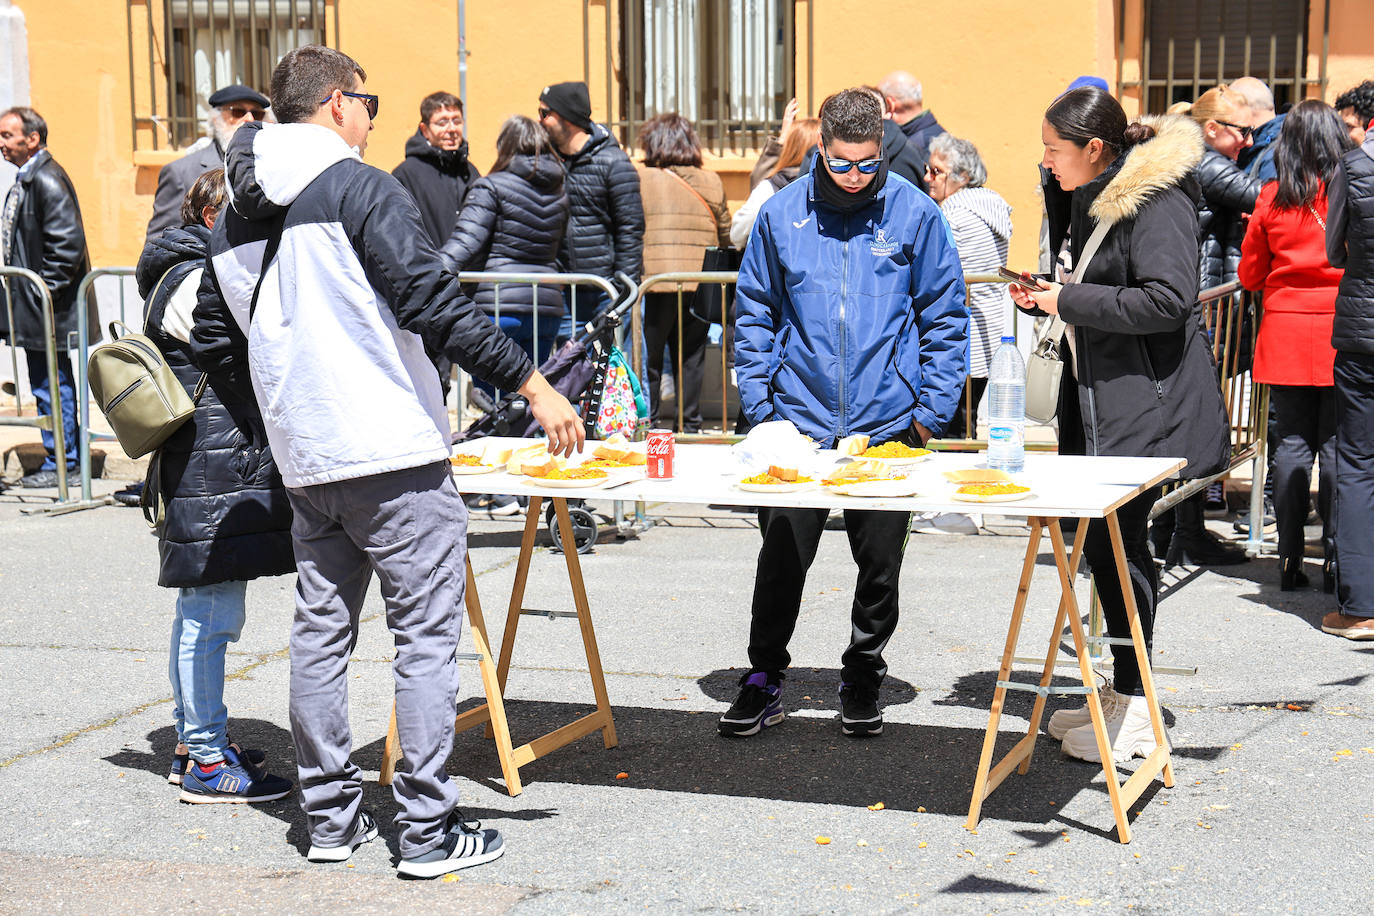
(684, 214)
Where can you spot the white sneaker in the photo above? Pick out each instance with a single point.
(1065, 720)
(1128, 729)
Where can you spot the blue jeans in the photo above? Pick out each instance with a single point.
(591, 301)
(208, 618)
(520, 328)
(42, 395)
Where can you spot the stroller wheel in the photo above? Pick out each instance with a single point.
(584, 527)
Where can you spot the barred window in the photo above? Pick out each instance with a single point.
(193, 47)
(726, 65)
(1194, 45)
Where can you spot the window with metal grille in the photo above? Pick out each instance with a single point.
(1193, 45)
(194, 47)
(726, 65)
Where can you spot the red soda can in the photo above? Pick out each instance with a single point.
(659, 451)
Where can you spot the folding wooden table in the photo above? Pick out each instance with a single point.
(1062, 486)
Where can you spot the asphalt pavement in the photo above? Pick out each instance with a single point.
(1274, 751)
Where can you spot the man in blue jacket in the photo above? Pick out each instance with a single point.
(851, 319)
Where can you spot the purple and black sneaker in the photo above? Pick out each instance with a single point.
(758, 706)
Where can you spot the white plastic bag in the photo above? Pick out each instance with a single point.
(777, 442)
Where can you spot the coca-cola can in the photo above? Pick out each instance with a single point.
(659, 451)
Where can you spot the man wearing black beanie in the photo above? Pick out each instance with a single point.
(606, 223)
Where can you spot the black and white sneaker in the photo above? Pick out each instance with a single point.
(365, 832)
(464, 846)
(860, 716)
(758, 706)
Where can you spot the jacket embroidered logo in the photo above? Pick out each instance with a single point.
(882, 246)
(798, 225)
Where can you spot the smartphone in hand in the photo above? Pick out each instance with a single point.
(1025, 280)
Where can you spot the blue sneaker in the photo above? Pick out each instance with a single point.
(758, 706)
(181, 759)
(464, 846)
(231, 781)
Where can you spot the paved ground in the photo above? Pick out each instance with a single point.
(1271, 813)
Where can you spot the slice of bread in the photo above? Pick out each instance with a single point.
(496, 454)
(852, 445)
(785, 474)
(530, 455)
(616, 448)
(635, 456)
(858, 470)
(540, 468)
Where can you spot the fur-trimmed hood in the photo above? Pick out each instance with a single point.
(1150, 167)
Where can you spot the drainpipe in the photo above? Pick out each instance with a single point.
(463, 53)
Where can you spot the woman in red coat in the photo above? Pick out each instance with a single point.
(1284, 254)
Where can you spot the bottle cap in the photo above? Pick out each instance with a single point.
(1007, 338)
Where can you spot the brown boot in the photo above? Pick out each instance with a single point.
(1348, 625)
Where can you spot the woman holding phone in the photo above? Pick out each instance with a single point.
(1139, 379)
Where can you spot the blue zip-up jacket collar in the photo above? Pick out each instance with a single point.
(851, 322)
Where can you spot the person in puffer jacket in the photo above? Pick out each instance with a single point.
(850, 319)
(606, 222)
(226, 521)
(513, 222)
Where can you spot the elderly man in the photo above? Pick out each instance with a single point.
(905, 100)
(436, 170)
(41, 229)
(1258, 159)
(233, 106)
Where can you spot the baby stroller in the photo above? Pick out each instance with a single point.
(577, 371)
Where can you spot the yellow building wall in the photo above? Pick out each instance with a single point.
(989, 70)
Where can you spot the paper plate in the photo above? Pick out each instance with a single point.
(558, 483)
(998, 498)
(878, 489)
(462, 470)
(773, 487)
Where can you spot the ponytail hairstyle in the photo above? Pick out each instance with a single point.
(1311, 142)
(1086, 114)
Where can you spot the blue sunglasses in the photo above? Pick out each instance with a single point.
(840, 166)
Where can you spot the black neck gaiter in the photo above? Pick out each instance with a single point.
(837, 198)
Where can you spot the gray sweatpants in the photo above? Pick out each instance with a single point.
(410, 527)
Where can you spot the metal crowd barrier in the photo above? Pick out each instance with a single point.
(51, 422)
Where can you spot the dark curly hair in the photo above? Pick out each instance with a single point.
(1360, 98)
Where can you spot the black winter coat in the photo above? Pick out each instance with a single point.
(606, 222)
(902, 157)
(1227, 194)
(1350, 244)
(920, 130)
(227, 516)
(439, 180)
(513, 222)
(49, 240)
(1146, 385)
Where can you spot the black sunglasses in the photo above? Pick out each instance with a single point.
(1245, 132)
(370, 101)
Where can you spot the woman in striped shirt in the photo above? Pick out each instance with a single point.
(981, 222)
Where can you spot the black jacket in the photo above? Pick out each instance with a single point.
(49, 240)
(439, 181)
(902, 157)
(1350, 244)
(227, 517)
(513, 222)
(1227, 194)
(1146, 383)
(919, 131)
(606, 222)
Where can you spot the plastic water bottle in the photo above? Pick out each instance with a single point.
(1007, 408)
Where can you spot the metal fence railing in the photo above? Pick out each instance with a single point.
(50, 422)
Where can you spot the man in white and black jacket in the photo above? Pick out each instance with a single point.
(323, 290)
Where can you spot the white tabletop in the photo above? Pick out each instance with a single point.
(1070, 486)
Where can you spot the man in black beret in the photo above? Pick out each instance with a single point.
(232, 106)
(606, 223)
